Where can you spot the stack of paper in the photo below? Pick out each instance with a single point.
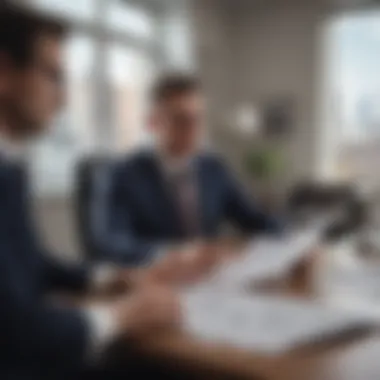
(220, 311)
(267, 257)
(266, 324)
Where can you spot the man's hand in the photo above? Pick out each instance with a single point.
(125, 279)
(110, 279)
(148, 307)
(184, 266)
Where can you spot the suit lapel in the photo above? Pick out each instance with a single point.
(204, 194)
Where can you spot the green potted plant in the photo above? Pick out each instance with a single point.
(263, 166)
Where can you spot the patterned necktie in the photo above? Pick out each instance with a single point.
(186, 197)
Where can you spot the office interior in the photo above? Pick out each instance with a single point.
(293, 95)
(291, 83)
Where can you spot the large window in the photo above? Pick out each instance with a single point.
(130, 18)
(129, 73)
(351, 97)
(357, 40)
(77, 9)
(116, 49)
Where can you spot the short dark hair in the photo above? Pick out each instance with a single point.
(19, 29)
(174, 84)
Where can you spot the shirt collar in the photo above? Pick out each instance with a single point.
(172, 166)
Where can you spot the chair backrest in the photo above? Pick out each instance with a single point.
(87, 174)
(326, 197)
(320, 196)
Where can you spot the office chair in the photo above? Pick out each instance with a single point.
(87, 174)
(319, 198)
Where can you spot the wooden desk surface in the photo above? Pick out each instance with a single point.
(354, 357)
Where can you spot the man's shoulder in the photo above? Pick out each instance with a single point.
(5, 173)
(213, 160)
(133, 161)
(139, 160)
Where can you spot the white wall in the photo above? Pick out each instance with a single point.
(264, 49)
(213, 39)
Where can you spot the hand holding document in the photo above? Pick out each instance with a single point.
(268, 257)
(183, 266)
(220, 311)
(147, 308)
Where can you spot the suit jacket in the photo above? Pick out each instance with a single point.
(134, 214)
(37, 339)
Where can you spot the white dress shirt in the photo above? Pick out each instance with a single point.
(102, 320)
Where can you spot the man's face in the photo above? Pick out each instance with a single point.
(179, 123)
(34, 92)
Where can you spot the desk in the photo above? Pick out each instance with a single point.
(354, 357)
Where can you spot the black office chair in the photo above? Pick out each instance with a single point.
(87, 175)
(318, 197)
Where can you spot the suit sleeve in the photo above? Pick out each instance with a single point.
(62, 275)
(244, 212)
(33, 332)
(112, 226)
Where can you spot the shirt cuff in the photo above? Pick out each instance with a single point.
(165, 250)
(161, 252)
(102, 276)
(103, 330)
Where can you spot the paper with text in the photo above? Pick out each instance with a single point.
(266, 324)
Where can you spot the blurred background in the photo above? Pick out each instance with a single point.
(293, 91)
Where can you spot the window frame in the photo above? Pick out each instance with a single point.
(103, 37)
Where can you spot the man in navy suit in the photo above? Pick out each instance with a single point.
(41, 339)
(175, 191)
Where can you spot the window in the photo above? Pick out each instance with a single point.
(80, 59)
(77, 9)
(116, 49)
(72, 133)
(357, 41)
(129, 73)
(351, 132)
(130, 18)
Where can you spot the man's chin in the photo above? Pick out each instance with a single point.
(184, 150)
(33, 130)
